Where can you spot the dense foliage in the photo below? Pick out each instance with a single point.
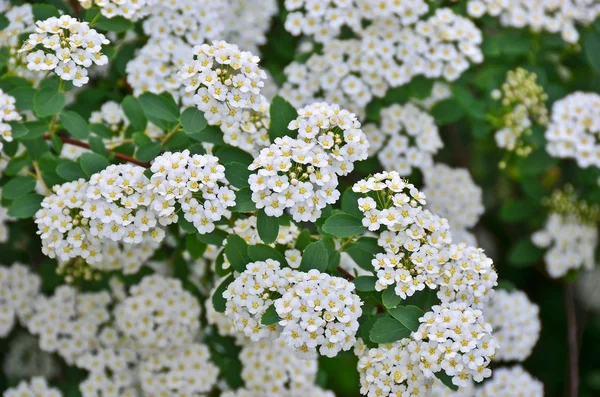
(299, 198)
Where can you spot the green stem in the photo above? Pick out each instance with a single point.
(170, 134)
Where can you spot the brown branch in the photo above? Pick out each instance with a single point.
(572, 339)
(346, 274)
(76, 7)
(84, 145)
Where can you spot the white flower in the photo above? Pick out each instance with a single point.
(508, 382)
(7, 113)
(575, 128)
(38, 386)
(571, 244)
(197, 183)
(25, 359)
(19, 288)
(551, 16)
(516, 324)
(252, 293)
(159, 314)
(319, 313)
(183, 370)
(68, 40)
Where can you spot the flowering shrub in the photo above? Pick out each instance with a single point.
(299, 198)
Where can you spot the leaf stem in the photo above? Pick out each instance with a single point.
(38, 175)
(170, 134)
(572, 339)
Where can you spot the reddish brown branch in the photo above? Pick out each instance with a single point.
(346, 274)
(84, 145)
(572, 339)
(76, 7)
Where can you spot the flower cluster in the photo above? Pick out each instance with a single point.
(410, 139)
(456, 340)
(7, 113)
(69, 321)
(18, 290)
(197, 183)
(452, 194)
(130, 9)
(393, 369)
(509, 382)
(66, 46)
(575, 129)
(324, 20)
(195, 21)
(111, 369)
(302, 174)
(252, 293)
(551, 15)
(247, 24)
(571, 244)
(523, 101)
(351, 72)
(319, 313)
(269, 368)
(20, 19)
(179, 371)
(588, 291)
(37, 387)
(441, 390)
(158, 314)
(78, 221)
(226, 84)
(155, 66)
(516, 324)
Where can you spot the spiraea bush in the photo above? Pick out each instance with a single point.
(299, 198)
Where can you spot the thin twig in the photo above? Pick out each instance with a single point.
(84, 145)
(170, 134)
(345, 273)
(38, 176)
(572, 340)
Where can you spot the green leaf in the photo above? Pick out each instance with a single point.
(194, 246)
(210, 134)
(315, 256)
(35, 129)
(18, 187)
(282, 112)
(216, 237)
(219, 262)
(186, 225)
(365, 283)
(160, 107)
(525, 254)
(75, 124)
(92, 163)
(303, 240)
(407, 315)
(343, 225)
(446, 380)
(350, 203)
(36, 147)
(116, 24)
(517, 210)
(447, 111)
(44, 11)
(148, 152)
(237, 174)
(388, 330)
(218, 301)
(24, 97)
(47, 102)
(134, 112)
(16, 164)
(178, 142)
(97, 145)
(270, 316)
(243, 201)
(267, 226)
(193, 121)
(230, 154)
(236, 250)
(4, 22)
(591, 47)
(70, 171)
(101, 130)
(261, 252)
(389, 297)
(26, 206)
